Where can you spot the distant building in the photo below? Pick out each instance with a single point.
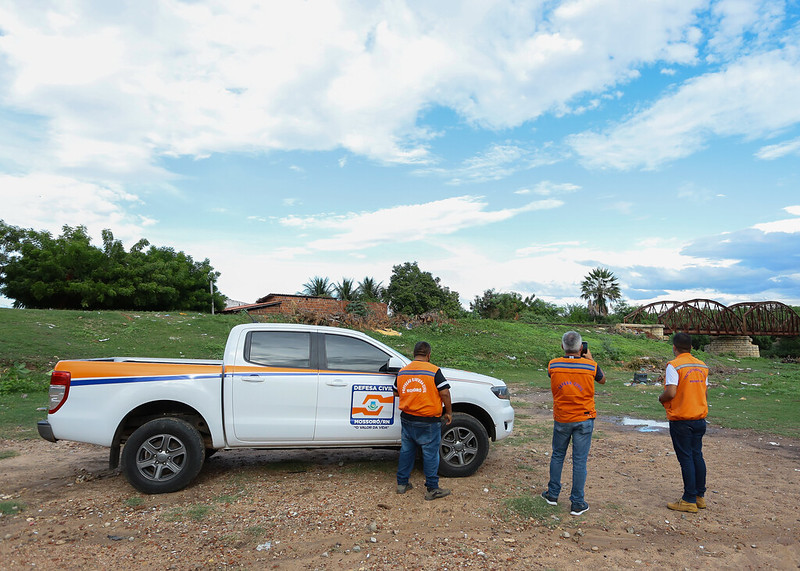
(282, 303)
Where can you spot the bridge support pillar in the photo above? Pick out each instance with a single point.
(739, 345)
(652, 330)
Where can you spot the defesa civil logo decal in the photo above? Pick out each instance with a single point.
(372, 405)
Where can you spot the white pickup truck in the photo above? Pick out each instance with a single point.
(278, 386)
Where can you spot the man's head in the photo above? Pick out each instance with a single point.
(571, 342)
(422, 349)
(682, 342)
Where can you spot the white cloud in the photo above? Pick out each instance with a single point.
(546, 248)
(407, 223)
(789, 225)
(736, 19)
(121, 85)
(548, 188)
(779, 150)
(754, 97)
(497, 162)
(48, 202)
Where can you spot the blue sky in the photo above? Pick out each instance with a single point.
(506, 145)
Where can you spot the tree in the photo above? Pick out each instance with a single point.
(346, 290)
(370, 290)
(318, 287)
(68, 272)
(414, 292)
(599, 287)
(496, 305)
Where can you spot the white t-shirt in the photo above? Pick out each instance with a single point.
(671, 375)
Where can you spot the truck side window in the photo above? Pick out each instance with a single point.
(290, 349)
(350, 354)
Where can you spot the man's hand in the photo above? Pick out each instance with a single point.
(448, 405)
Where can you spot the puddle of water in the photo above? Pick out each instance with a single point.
(646, 425)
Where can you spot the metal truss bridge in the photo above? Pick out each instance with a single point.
(708, 317)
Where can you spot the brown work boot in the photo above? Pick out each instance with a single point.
(682, 506)
(701, 502)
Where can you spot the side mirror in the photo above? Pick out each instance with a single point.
(394, 365)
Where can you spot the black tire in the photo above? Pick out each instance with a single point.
(163, 455)
(465, 445)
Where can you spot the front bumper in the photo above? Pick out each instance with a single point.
(46, 431)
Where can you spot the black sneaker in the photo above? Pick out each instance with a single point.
(403, 488)
(436, 493)
(578, 509)
(549, 499)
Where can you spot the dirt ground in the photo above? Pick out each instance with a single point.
(339, 510)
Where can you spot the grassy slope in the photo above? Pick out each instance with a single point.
(515, 352)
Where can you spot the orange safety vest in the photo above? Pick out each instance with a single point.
(690, 402)
(572, 384)
(416, 386)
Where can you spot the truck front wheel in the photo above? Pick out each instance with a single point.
(464, 447)
(163, 455)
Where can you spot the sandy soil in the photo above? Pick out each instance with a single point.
(339, 510)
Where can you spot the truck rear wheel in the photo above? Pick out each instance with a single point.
(163, 455)
(464, 447)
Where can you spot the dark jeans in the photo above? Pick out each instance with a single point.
(426, 435)
(581, 435)
(687, 439)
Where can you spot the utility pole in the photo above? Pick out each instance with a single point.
(211, 288)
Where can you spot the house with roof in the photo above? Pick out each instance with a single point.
(282, 303)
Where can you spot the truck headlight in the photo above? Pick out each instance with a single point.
(500, 392)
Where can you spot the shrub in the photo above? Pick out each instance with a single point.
(18, 379)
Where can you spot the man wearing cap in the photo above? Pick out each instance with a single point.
(686, 402)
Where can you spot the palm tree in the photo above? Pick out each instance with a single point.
(346, 290)
(600, 285)
(370, 290)
(318, 287)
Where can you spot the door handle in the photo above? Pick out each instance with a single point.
(336, 383)
(253, 379)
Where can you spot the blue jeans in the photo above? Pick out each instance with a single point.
(687, 439)
(426, 435)
(581, 435)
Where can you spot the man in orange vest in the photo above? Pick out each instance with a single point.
(685, 399)
(572, 379)
(423, 390)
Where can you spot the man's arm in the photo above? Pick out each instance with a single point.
(448, 405)
(670, 384)
(669, 393)
(602, 379)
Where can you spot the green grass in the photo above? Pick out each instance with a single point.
(532, 508)
(196, 512)
(134, 502)
(42, 337)
(11, 507)
(515, 352)
(8, 454)
(18, 415)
